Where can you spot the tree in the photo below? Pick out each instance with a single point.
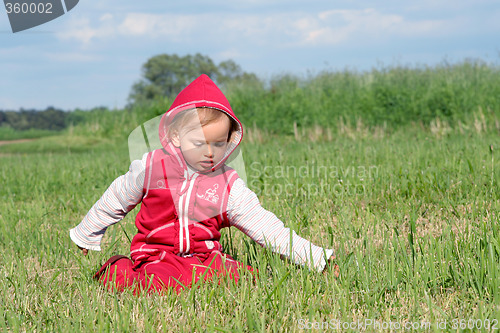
(166, 75)
(49, 119)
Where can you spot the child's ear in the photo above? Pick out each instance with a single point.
(231, 137)
(175, 139)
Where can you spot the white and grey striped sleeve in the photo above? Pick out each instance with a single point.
(245, 213)
(120, 198)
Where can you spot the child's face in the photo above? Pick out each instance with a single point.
(204, 146)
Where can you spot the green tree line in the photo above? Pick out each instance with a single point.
(48, 119)
(165, 75)
(390, 96)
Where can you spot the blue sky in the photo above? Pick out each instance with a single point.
(92, 55)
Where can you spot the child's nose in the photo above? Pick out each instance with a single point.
(209, 151)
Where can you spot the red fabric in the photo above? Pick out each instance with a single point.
(181, 214)
(158, 222)
(202, 92)
(167, 271)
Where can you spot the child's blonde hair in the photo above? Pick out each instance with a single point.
(205, 116)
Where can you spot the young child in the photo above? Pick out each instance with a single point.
(188, 195)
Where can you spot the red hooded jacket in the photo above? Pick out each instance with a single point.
(182, 212)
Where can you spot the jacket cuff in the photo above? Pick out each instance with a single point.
(322, 264)
(82, 244)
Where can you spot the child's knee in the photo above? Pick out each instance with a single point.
(117, 273)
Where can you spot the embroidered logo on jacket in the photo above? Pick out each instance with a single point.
(210, 194)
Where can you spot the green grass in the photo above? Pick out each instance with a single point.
(387, 96)
(412, 215)
(7, 133)
(391, 168)
(445, 96)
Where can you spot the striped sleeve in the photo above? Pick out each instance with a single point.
(120, 198)
(245, 213)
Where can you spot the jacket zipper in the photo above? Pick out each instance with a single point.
(184, 211)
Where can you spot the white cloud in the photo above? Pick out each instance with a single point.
(106, 17)
(152, 25)
(80, 30)
(231, 53)
(72, 57)
(287, 29)
(338, 26)
(85, 31)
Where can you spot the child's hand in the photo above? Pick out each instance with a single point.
(336, 268)
(84, 251)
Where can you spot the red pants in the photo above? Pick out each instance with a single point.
(166, 271)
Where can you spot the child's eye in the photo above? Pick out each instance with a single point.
(198, 144)
(219, 144)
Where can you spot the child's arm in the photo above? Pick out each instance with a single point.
(246, 214)
(120, 198)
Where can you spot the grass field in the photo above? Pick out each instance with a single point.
(413, 216)
(7, 133)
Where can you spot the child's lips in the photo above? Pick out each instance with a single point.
(207, 163)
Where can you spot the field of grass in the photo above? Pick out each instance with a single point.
(7, 133)
(387, 96)
(448, 96)
(413, 215)
(397, 169)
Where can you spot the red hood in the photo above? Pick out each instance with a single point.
(202, 92)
